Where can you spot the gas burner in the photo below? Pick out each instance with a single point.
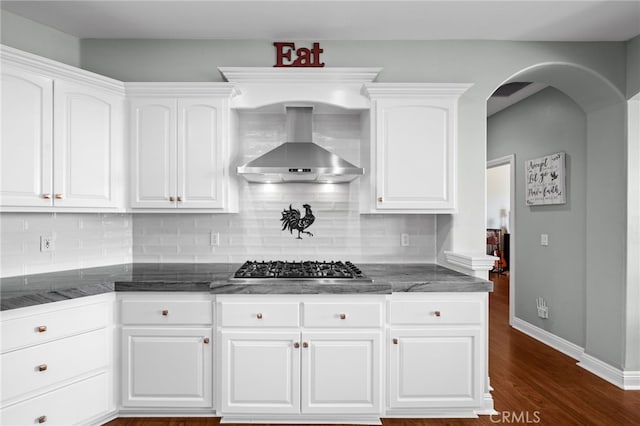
(306, 270)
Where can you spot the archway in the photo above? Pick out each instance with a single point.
(605, 223)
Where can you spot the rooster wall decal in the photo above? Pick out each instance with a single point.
(291, 220)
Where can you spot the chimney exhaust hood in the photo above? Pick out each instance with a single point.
(299, 159)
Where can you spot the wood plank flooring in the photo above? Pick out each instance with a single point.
(533, 384)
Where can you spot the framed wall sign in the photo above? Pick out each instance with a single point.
(545, 180)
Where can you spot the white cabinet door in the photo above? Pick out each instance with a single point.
(260, 372)
(87, 138)
(153, 153)
(435, 368)
(200, 153)
(166, 367)
(341, 372)
(27, 139)
(415, 154)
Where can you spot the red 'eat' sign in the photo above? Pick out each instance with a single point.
(302, 57)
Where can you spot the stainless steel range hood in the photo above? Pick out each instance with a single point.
(299, 159)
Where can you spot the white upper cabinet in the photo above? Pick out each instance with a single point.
(62, 137)
(87, 138)
(411, 152)
(180, 149)
(27, 139)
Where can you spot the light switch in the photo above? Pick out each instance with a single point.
(544, 239)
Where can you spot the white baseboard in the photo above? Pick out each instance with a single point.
(627, 380)
(549, 339)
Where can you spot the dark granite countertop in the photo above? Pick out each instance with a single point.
(29, 290)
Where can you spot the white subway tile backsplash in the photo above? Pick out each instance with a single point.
(81, 240)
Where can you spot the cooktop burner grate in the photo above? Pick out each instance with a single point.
(299, 270)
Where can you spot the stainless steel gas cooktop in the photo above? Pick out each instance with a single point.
(328, 272)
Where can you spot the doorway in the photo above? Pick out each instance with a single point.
(500, 222)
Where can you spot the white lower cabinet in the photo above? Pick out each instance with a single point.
(166, 367)
(166, 346)
(435, 368)
(57, 363)
(305, 361)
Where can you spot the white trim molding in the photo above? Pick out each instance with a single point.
(305, 75)
(409, 90)
(558, 343)
(627, 380)
(473, 262)
(178, 89)
(58, 70)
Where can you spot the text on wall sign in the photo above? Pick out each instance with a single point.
(288, 56)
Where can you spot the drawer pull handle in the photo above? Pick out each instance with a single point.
(343, 316)
(46, 196)
(206, 340)
(42, 367)
(42, 329)
(172, 199)
(42, 419)
(296, 345)
(58, 196)
(165, 312)
(179, 199)
(395, 341)
(379, 199)
(259, 315)
(436, 313)
(305, 345)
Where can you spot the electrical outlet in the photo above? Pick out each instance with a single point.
(46, 243)
(544, 240)
(214, 239)
(404, 240)
(543, 309)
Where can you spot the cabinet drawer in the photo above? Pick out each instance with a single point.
(70, 405)
(44, 365)
(167, 312)
(340, 315)
(30, 330)
(259, 314)
(435, 312)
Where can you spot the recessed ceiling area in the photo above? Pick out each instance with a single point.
(339, 20)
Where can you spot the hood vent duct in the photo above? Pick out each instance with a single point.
(299, 159)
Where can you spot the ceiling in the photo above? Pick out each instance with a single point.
(572, 20)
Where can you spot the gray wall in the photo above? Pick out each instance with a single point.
(39, 39)
(542, 124)
(633, 67)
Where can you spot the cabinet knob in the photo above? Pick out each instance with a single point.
(436, 313)
(42, 367)
(179, 199)
(259, 315)
(172, 199)
(296, 345)
(165, 312)
(305, 345)
(42, 419)
(42, 328)
(379, 199)
(206, 340)
(58, 196)
(47, 196)
(343, 316)
(395, 341)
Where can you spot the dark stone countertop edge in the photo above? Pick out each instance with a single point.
(388, 279)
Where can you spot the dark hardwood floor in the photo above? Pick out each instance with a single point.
(533, 384)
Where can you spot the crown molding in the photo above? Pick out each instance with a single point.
(175, 89)
(55, 69)
(298, 74)
(382, 90)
